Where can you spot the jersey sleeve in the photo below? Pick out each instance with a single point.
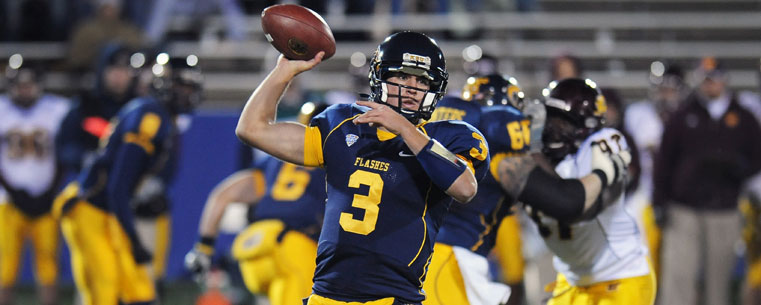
(467, 143)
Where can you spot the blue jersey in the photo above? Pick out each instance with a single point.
(474, 226)
(383, 212)
(140, 141)
(295, 195)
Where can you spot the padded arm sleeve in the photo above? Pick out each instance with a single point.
(562, 199)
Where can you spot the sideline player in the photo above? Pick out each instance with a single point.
(109, 262)
(29, 177)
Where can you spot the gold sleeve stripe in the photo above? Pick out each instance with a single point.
(313, 147)
(260, 184)
(149, 126)
(468, 162)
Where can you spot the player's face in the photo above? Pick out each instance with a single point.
(558, 137)
(410, 88)
(25, 93)
(117, 79)
(712, 88)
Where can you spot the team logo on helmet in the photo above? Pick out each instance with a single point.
(415, 60)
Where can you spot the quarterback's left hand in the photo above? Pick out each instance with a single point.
(614, 166)
(381, 115)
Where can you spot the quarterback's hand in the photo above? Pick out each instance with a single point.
(613, 165)
(381, 115)
(198, 262)
(294, 67)
(534, 110)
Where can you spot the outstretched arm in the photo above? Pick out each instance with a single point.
(564, 199)
(257, 126)
(241, 186)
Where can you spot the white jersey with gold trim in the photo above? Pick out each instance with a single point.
(606, 247)
(27, 146)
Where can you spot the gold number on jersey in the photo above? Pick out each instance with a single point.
(290, 183)
(368, 202)
(520, 134)
(480, 153)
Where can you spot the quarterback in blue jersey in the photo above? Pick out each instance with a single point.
(277, 251)
(391, 175)
(109, 262)
(459, 269)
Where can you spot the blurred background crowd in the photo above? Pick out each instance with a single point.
(652, 57)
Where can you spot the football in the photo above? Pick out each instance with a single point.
(297, 32)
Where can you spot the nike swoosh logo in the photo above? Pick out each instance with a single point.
(402, 154)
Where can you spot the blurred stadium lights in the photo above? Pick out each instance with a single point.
(472, 53)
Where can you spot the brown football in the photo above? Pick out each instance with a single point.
(297, 32)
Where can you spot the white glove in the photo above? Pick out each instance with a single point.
(614, 165)
(198, 263)
(534, 110)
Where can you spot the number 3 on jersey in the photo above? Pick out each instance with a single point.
(368, 202)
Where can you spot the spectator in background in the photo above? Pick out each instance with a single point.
(644, 122)
(88, 119)
(565, 66)
(163, 10)
(710, 147)
(29, 176)
(93, 34)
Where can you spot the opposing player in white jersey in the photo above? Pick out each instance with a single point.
(601, 258)
(29, 177)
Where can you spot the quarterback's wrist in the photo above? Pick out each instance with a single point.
(441, 165)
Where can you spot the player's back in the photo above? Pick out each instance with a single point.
(606, 247)
(295, 195)
(382, 211)
(142, 122)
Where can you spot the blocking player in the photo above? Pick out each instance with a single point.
(601, 258)
(277, 251)
(458, 273)
(391, 175)
(29, 176)
(109, 262)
